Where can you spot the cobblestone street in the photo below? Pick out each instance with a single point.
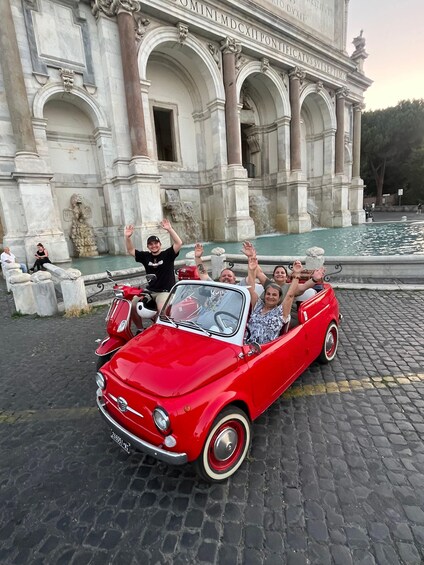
(335, 474)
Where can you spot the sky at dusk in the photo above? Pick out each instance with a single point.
(394, 35)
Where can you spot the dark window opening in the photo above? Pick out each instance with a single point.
(164, 134)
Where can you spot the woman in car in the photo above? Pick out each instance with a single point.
(271, 313)
(280, 276)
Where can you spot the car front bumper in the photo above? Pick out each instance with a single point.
(137, 443)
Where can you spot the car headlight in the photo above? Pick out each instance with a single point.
(161, 419)
(100, 381)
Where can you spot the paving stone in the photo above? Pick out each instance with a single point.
(334, 478)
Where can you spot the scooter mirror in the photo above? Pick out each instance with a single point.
(109, 274)
(150, 278)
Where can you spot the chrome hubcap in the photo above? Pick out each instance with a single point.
(225, 444)
(330, 341)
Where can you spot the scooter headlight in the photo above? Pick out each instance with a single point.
(119, 293)
(161, 419)
(100, 381)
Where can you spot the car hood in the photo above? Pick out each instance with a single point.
(168, 362)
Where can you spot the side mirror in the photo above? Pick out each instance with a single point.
(109, 274)
(255, 349)
(150, 278)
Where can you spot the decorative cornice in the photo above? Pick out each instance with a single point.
(297, 73)
(111, 8)
(358, 107)
(68, 77)
(214, 51)
(182, 32)
(239, 62)
(141, 24)
(342, 92)
(230, 45)
(319, 86)
(264, 64)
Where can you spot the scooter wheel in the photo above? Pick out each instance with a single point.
(102, 360)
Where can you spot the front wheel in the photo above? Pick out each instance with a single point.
(331, 341)
(226, 445)
(102, 359)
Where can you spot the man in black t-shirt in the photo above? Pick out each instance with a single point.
(156, 262)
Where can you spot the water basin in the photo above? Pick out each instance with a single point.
(379, 239)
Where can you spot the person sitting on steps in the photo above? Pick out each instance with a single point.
(42, 257)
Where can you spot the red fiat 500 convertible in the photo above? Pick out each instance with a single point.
(188, 388)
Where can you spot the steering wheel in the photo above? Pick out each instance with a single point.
(219, 321)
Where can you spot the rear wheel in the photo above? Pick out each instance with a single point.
(101, 360)
(226, 445)
(331, 341)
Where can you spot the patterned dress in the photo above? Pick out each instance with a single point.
(265, 327)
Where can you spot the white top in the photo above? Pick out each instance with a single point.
(7, 257)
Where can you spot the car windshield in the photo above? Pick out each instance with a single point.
(215, 309)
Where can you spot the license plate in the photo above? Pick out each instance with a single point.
(125, 445)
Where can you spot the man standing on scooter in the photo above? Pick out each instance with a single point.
(156, 262)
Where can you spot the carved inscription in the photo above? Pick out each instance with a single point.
(255, 34)
(316, 14)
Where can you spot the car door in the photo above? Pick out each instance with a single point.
(276, 366)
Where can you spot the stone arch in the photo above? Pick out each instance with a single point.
(78, 96)
(324, 102)
(74, 132)
(318, 123)
(182, 86)
(278, 89)
(264, 121)
(211, 84)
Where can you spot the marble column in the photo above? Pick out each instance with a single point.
(14, 84)
(341, 216)
(298, 219)
(30, 176)
(136, 183)
(230, 49)
(296, 76)
(356, 190)
(126, 27)
(340, 132)
(357, 116)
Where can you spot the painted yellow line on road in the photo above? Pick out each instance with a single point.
(353, 385)
(295, 391)
(49, 415)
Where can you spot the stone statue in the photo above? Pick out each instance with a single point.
(359, 41)
(82, 234)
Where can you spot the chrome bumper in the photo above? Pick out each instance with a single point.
(137, 443)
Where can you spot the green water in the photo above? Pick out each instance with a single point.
(394, 238)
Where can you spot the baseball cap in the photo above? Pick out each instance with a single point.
(153, 239)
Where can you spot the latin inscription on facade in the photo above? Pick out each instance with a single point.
(318, 15)
(235, 26)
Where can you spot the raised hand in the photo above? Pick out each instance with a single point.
(166, 224)
(252, 264)
(198, 250)
(248, 249)
(128, 231)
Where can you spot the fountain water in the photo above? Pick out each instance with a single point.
(258, 208)
(183, 217)
(313, 211)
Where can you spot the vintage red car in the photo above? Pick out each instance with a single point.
(189, 387)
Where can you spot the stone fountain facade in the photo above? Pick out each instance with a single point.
(228, 119)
